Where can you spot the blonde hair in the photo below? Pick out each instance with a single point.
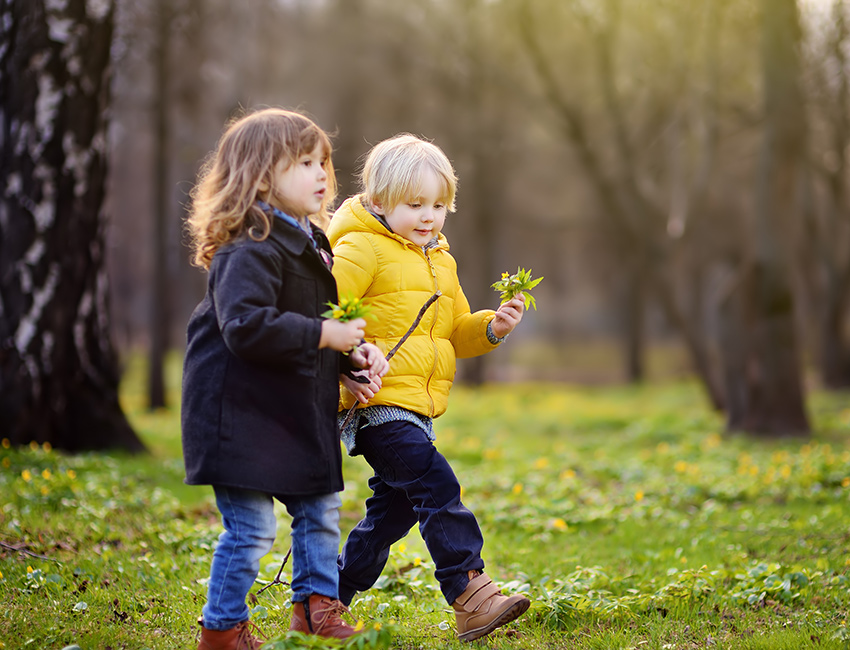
(392, 173)
(241, 170)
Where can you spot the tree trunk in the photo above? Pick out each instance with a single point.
(834, 358)
(58, 371)
(159, 276)
(834, 352)
(733, 343)
(775, 405)
(632, 319)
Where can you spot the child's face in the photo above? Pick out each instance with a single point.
(299, 188)
(420, 218)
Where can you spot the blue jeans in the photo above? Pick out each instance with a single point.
(413, 482)
(249, 531)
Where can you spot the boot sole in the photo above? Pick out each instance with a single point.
(511, 613)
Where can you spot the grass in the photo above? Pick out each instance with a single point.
(625, 514)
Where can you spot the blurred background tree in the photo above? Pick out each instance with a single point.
(677, 170)
(58, 371)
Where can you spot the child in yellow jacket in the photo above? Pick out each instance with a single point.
(389, 249)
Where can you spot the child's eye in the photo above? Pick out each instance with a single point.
(414, 204)
(439, 206)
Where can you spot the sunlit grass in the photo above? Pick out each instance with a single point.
(626, 514)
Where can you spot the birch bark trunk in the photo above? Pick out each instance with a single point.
(58, 369)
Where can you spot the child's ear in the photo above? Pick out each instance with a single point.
(263, 186)
(377, 208)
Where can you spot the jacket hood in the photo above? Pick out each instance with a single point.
(351, 216)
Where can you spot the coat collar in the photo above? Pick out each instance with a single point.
(294, 240)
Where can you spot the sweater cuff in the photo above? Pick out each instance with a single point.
(495, 340)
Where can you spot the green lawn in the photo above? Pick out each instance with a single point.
(626, 515)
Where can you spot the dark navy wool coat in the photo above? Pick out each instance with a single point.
(259, 396)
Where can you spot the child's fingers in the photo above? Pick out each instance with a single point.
(509, 313)
(517, 303)
(366, 392)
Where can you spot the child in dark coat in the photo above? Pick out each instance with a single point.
(260, 377)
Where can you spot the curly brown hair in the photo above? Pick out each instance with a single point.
(224, 200)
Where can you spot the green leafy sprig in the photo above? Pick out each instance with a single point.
(348, 309)
(510, 286)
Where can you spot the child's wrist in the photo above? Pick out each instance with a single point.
(491, 335)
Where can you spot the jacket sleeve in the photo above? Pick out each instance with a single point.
(355, 265)
(469, 331)
(248, 282)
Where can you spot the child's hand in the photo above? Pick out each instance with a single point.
(508, 316)
(342, 337)
(362, 392)
(371, 358)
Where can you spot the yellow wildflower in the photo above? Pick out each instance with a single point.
(417, 561)
(45, 474)
(779, 456)
(34, 445)
(681, 466)
(541, 463)
(29, 569)
(47, 446)
(568, 474)
(402, 547)
(358, 626)
(26, 475)
(711, 441)
(71, 474)
(45, 490)
(559, 524)
(845, 482)
(377, 626)
(517, 488)
(6, 443)
(639, 495)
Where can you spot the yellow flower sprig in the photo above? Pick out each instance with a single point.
(510, 286)
(348, 309)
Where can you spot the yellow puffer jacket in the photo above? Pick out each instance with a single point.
(396, 277)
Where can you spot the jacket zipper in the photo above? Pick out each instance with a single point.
(431, 335)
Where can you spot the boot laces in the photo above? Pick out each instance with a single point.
(331, 615)
(249, 634)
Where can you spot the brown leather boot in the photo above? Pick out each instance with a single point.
(240, 637)
(481, 608)
(321, 615)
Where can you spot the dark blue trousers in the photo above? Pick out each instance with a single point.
(413, 482)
